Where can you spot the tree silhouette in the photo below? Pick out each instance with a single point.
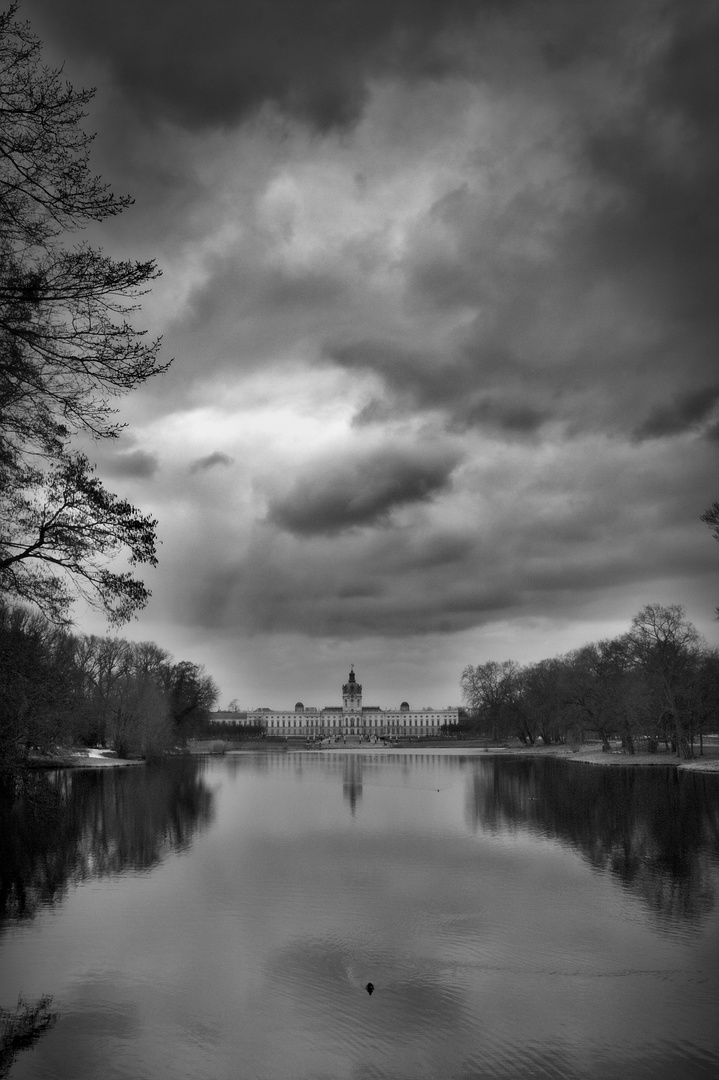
(67, 348)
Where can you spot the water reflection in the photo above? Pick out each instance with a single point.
(22, 1027)
(497, 906)
(353, 767)
(655, 829)
(352, 781)
(60, 828)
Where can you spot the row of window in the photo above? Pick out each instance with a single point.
(374, 719)
(354, 723)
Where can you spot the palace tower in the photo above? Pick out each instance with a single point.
(352, 704)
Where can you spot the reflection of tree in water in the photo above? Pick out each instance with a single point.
(20, 1028)
(61, 828)
(657, 829)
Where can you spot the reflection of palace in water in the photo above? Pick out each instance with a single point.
(351, 718)
(352, 779)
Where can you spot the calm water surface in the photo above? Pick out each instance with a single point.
(220, 918)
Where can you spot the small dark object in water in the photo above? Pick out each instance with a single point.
(369, 988)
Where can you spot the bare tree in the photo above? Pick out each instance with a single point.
(488, 690)
(665, 644)
(67, 349)
(711, 518)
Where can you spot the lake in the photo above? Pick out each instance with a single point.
(218, 918)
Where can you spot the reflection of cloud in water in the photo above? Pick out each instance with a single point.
(330, 976)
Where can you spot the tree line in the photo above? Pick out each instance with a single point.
(656, 684)
(60, 688)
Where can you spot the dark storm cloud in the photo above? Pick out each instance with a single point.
(406, 371)
(682, 414)
(513, 417)
(218, 63)
(211, 461)
(348, 602)
(233, 288)
(505, 234)
(267, 309)
(607, 525)
(360, 491)
(576, 306)
(418, 381)
(646, 228)
(595, 294)
(658, 239)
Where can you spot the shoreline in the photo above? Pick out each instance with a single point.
(613, 759)
(594, 756)
(661, 759)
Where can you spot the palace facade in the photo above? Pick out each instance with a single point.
(350, 718)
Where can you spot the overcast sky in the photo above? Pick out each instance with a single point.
(440, 285)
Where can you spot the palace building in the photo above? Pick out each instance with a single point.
(350, 718)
